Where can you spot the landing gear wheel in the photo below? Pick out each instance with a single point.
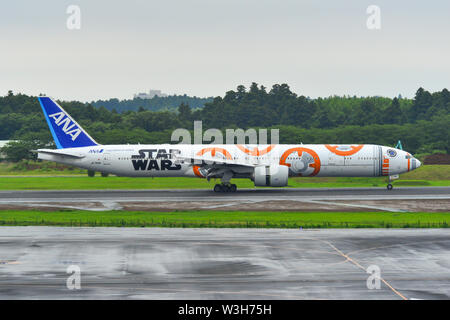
(225, 188)
(390, 186)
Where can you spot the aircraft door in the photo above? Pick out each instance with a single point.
(106, 159)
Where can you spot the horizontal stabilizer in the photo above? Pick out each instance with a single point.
(58, 153)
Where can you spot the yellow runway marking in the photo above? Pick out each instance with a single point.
(361, 267)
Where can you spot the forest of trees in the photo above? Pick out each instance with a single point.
(156, 103)
(422, 123)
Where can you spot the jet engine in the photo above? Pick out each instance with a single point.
(274, 175)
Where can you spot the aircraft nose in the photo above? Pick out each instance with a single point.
(418, 163)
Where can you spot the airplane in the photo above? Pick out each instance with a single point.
(266, 165)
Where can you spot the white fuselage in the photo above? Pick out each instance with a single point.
(166, 160)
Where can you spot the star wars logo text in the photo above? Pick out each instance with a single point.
(155, 159)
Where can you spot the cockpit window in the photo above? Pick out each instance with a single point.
(408, 156)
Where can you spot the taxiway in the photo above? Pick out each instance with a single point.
(411, 199)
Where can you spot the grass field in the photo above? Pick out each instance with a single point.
(33, 168)
(220, 219)
(435, 175)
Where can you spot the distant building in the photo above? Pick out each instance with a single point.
(151, 94)
(2, 144)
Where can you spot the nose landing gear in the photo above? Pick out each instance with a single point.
(225, 187)
(391, 178)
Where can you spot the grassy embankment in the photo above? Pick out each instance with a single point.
(433, 175)
(38, 168)
(220, 219)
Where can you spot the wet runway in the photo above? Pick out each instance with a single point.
(154, 263)
(320, 199)
(177, 194)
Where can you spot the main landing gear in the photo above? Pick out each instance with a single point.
(225, 187)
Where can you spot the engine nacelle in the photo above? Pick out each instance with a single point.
(274, 175)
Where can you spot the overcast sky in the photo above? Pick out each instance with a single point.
(207, 47)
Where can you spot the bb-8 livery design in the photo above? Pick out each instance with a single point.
(266, 165)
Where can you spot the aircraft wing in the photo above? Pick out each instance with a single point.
(58, 153)
(211, 161)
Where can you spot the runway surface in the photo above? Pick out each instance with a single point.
(320, 199)
(175, 194)
(153, 263)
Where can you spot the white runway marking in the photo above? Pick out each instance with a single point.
(356, 206)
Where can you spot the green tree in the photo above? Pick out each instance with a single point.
(16, 151)
(422, 102)
(185, 112)
(393, 113)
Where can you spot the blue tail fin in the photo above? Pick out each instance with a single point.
(66, 132)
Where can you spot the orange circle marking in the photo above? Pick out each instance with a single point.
(255, 151)
(335, 150)
(315, 165)
(213, 152)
